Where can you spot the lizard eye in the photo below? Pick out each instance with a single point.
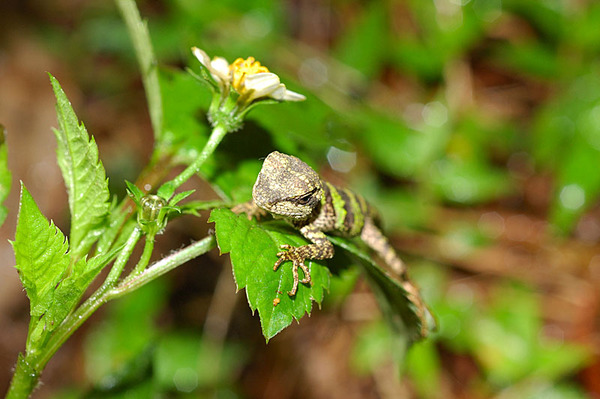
(305, 199)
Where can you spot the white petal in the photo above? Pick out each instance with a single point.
(220, 67)
(263, 84)
(293, 96)
(202, 57)
(267, 84)
(278, 93)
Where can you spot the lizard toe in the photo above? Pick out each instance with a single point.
(306, 279)
(278, 263)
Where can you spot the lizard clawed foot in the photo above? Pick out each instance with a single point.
(297, 259)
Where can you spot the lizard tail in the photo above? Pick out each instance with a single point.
(374, 238)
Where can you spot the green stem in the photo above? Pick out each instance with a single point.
(108, 290)
(145, 258)
(24, 380)
(138, 31)
(215, 138)
(161, 267)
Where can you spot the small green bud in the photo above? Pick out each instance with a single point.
(150, 207)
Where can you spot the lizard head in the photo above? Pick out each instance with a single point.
(287, 187)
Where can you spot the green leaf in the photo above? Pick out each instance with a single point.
(40, 253)
(134, 192)
(184, 133)
(506, 336)
(546, 17)
(194, 207)
(43, 263)
(534, 388)
(393, 299)
(437, 42)
(204, 364)
(5, 176)
(468, 182)
(557, 359)
(294, 127)
(69, 291)
(424, 367)
(531, 58)
(116, 219)
(567, 141)
(84, 176)
(131, 379)
(366, 47)
(166, 191)
(577, 189)
(41, 260)
(233, 178)
(180, 197)
(111, 346)
(253, 248)
(411, 55)
(372, 347)
(127, 383)
(582, 28)
(398, 149)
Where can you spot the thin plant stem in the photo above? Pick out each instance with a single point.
(215, 138)
(145, 258)
(24, 380)
(162, 266)
(217, 135)
(138, 31)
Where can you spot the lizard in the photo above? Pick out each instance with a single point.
(288, 188)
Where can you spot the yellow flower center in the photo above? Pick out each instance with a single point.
(241, 68)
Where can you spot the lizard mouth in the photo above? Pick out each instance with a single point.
(287, 213)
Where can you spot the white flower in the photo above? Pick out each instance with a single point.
(218, 67)
(248, 77)
(240, 85)
(267, 84)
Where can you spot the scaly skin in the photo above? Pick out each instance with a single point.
(288, 188)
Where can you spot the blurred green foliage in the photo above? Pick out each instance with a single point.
(417, 150)
(504, 335)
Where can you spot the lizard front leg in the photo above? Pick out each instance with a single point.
(250, 209)
(321, 248)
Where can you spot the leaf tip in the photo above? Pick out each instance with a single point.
(54, 82)
(25, 194)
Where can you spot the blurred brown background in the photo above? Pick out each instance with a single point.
(73, 41)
